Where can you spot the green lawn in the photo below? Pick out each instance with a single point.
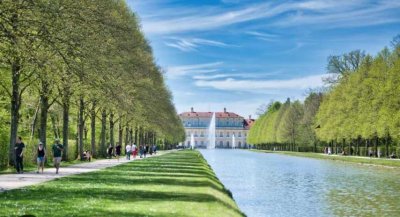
(175, 184)
(352, 159)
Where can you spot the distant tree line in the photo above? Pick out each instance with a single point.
(79, 68)
(358, 114)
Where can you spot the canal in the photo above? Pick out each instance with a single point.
(279, 185)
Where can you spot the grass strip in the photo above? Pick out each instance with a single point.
(175, 184)
(351, 159)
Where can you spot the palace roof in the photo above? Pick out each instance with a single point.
(248, 123)
(209, 114)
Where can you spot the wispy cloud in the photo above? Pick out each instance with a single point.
(231, 84)
(284, 14)
(206, 20)
(263, 36)
(356, 13)
(191, 44)
(235, 75)
(178, 71)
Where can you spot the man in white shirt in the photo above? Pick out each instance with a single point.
(128, 151)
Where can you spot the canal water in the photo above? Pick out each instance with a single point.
(279, 185)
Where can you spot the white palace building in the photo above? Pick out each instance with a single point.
(230, 129)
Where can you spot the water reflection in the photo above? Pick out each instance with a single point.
(279, 185)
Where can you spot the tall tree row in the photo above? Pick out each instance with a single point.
(358, 114)
(75, 65)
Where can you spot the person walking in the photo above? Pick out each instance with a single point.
(134, 151)
(41, 154)
(109, 151)
(155, 149)
(118, 151)
(141, 151)
(57, 152)
(146, 150)
(19, 155)
(128, 150)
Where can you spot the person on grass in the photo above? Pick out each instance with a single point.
(57, 152)
(41, 154)
(19, 155)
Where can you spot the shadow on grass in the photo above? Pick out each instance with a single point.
(157, 178)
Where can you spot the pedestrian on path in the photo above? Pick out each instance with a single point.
(41, 154)
(154, 149)
(128, 150)
(118, 151)
(109, 151)
(19, 155)
(57, 151)
(141, 151)
(134, 151)
(146, 150)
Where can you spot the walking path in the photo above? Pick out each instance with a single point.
(13, 181)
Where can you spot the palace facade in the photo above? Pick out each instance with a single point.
(229, 127)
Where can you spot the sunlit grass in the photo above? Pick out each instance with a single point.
(352, 159)
(175, 184)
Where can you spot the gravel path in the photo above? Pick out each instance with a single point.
(13, 181)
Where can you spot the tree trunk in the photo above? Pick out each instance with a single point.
(15, 106)
(120, 132)
(103, 133)
(130, 135)
(366, 147)
(54, 124)
(81, 126)
(65, 105)
(136, 136)
(112, 129)
(387, 146)
(44, 107)
(33, 126)
(93, 128)
(126, 136)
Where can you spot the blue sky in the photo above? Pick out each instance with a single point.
(240, 54)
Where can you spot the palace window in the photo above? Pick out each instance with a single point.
(221, 134)
(240, 134)
(221, 143)
(227, 144)
(240, 144)
(201, 134)
(195, 133)
(227, 134)
(202, 143)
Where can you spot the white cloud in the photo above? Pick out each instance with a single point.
(263, 36)
(336, 13)
(191, 44)
(230, 84)
(178, 71)
(230, 75)
(352, 13)
(206, 19)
